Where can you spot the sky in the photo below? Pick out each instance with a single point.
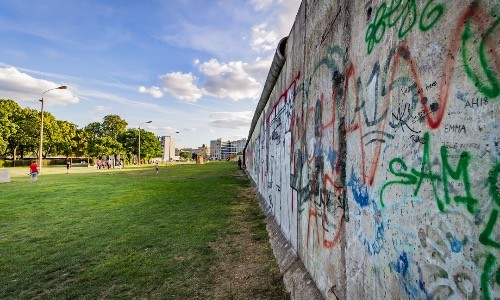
(196, 67)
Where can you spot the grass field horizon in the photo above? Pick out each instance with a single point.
(115, 233)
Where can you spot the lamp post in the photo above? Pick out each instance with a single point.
(63, 87)
(170, 146)
(140, 139)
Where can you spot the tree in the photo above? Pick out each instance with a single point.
(8, 109)
(51, 134)
(130, 140)
(27, 135)
(105, 146)
(150, 145)
(92, 132)
(81, 143)
(66, 143)
(185, 155)
(113, 126)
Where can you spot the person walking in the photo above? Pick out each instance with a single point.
(239, 163)
(157, 168)
(68, 166)
(34, 171)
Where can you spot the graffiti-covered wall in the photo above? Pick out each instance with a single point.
(377, 150)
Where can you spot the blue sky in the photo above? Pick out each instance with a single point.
(193, 66)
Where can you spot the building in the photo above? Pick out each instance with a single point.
(222, 150)
(168, 148)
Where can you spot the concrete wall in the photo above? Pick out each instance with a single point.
(377, 151)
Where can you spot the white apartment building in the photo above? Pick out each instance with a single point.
(168, 148)
(221, 150)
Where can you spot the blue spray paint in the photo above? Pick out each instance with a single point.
(359, 190)
(455, 245)
(332, 157)
(401, 266)
(407, 279)
(374, 245)
(462, 96)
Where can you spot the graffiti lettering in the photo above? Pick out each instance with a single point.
(404, 12)
(489, 86)
(454, 128)
(417, 177)
(476, 102)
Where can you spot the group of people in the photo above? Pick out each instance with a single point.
(108, 164)
(34, 170)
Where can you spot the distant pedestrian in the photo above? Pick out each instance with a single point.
(157, 168)
(34, 171)
(239, 163)
(68, 166)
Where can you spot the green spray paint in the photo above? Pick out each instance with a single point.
(492, 182)
(485, 277)
(425, 173)
(404, 13)
(490, 86)
(430, 17)
(485, 236)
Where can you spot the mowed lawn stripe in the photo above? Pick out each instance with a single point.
(114, 233)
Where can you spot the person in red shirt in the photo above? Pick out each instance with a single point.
(34, 171)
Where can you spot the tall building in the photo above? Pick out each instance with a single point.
(168, 148)
(222, 150)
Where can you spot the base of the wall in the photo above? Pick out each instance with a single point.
(297, 280)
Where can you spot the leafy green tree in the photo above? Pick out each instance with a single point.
(92, 132)
(27, 135)
(150, 145)
(51, 134)
(113, 126)
(66, 143)
(105, 146)
(130, 140)
(8, 109)
(81, 143)
(185, 155)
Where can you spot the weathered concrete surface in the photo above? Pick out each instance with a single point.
(4, 175)
(296, 278)
(377, 151)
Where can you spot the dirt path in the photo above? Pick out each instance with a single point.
(246, 267)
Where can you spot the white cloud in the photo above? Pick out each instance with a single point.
(281, 14)
(231, 120)
(100, 108)
(22, 87)
(153, 91)
(167, 130)
(190, 129)
(264, 39)
(229, 80)
(260, 4)
(259, 68)
(181, 86)
(288, 11)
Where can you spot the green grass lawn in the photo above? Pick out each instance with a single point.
(114, 233)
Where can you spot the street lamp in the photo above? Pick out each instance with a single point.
(140, 139)
(170, 146)
(62, 87)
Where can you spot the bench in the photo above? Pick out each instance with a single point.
(4, 175)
